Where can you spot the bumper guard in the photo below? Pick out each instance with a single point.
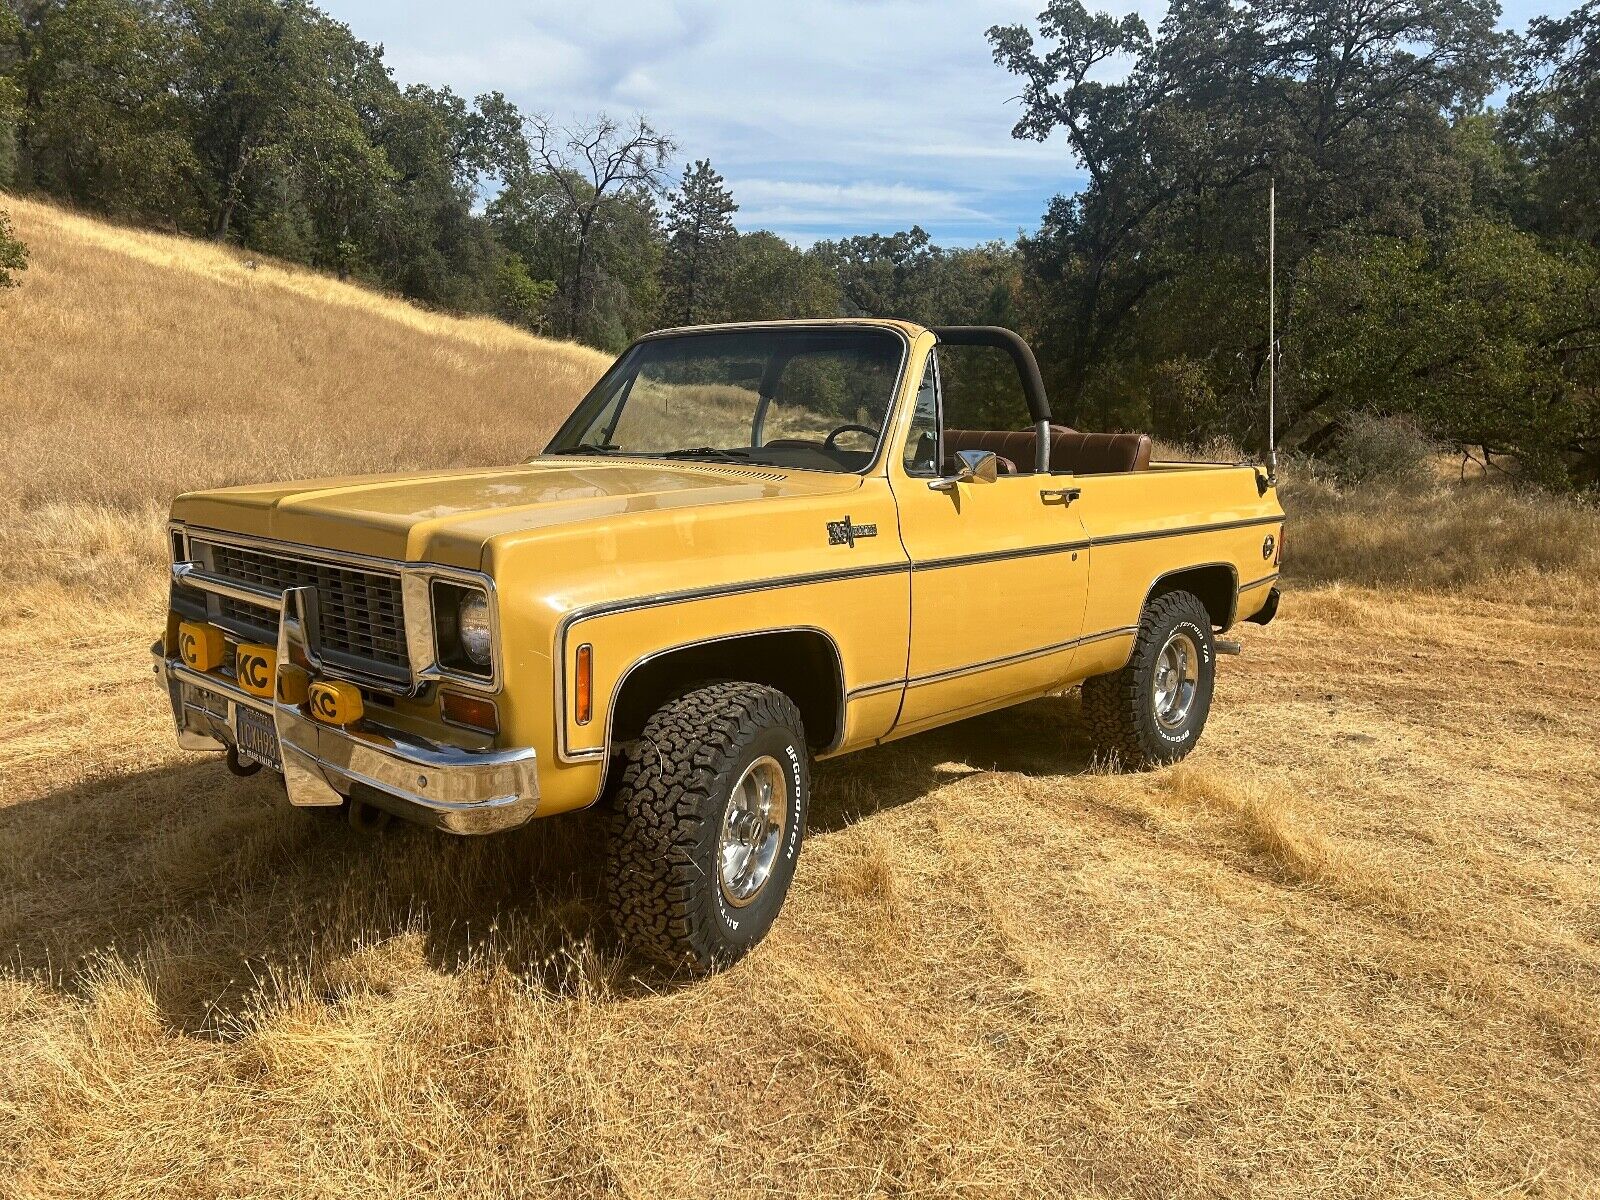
(446, 787)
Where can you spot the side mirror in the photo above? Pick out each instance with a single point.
(972, 466)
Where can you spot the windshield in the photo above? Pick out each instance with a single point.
(789, 397)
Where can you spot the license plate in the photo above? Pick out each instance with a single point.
(256, 737)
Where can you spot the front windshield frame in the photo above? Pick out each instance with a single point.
(582, 415)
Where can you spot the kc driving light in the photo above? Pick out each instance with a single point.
(472, 626)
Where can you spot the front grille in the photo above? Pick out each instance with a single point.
(359, 612)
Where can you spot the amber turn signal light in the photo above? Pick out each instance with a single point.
(583, 691)
(472, 711)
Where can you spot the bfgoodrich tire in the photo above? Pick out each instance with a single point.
(1153, 710)
(706, 825)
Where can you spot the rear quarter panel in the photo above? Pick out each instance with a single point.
(1147, 525)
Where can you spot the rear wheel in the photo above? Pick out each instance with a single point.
(1154, 709)
(706, 824)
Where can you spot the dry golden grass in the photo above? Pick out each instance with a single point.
(135, 365)
(1484, 537)
(1350, 948)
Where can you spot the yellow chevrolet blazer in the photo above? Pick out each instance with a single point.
(749, 547)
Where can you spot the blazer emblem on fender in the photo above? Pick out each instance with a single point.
(843, 533)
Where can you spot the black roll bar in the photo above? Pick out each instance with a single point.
(998, 338)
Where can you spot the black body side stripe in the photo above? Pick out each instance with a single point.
(605, 608)
(1153, 534)
(987, 664)
(1023, 656)
(1255, 583)
(1116, 539)
(873, 689)
(965, 560)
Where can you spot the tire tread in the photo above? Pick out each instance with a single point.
(1112, 702)
(667, 793)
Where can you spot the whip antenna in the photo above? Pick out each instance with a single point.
(1272, 331)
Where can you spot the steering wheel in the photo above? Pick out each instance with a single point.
(866, 429)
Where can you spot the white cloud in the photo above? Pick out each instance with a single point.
(828, 117)
(790, 204)
(851, 195)
(807, 107)
(494, 65)
(639, 88)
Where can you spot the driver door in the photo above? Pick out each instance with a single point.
(999, 575)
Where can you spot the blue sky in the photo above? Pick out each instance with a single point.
(828, 118)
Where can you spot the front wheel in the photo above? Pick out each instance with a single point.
(1153, 710)
(706, 825)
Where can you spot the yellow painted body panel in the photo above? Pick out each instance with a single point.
(987, 627)
(960, 602)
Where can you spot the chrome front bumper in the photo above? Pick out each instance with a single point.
(447, 787)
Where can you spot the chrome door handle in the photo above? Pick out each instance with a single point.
(1065, 495)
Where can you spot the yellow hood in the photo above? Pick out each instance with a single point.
(447, 516)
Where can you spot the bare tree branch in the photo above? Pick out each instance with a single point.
(595, 165)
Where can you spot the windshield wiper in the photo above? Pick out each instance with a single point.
(585, 448)
(711, 452)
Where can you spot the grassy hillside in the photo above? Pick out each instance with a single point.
(1351, 947)
(134, 366)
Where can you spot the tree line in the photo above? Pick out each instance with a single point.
(267, 124)
(1438, 200)
(1438, 256)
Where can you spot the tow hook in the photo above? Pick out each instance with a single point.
(1228, 647)
(240, 766)
(367, 818)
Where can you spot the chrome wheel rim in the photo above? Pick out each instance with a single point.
(1177, 680)
(752, 830)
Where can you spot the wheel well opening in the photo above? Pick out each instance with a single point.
(1215, 585)
(801, 663)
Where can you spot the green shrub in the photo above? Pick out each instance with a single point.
(1379, 449)
(13, 254)
(524, 300)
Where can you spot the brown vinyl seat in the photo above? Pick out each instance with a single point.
(1079, 453)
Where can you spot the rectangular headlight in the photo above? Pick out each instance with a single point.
(463, 628)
